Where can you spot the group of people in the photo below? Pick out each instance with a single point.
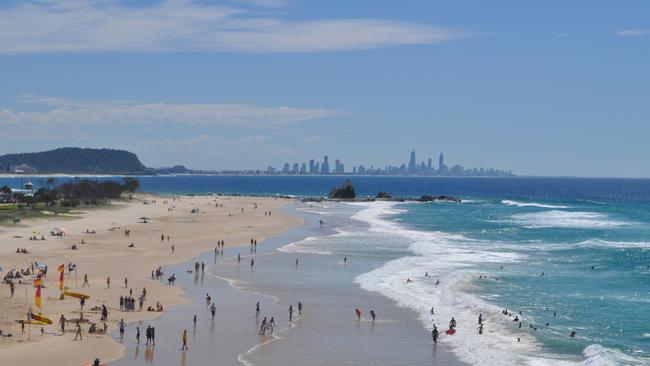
(127, 303)
(22, 251)
(357, 312)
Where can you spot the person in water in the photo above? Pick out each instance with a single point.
(452, 323)
(434, 335)
(372, 315)
(480, 319)
(358, 313)
(184, 339)
(213, 310)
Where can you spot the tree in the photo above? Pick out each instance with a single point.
(5, 189)
(131, 184)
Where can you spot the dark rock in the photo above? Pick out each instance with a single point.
(346, 191)
(383, 195)
(427, 198)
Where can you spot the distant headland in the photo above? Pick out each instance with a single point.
(74, 160)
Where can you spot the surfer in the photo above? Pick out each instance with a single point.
(452, 323)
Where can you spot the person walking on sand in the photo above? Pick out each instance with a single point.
(257, 310)
(290, 312)
(172, 248)
(252, 262)
(184, 338)
(85, 281)
(194, 320)
(299, 308)
(238, 258)
(78, 333)
(121, 325)
(108, 282)
(126, 282)
(137, 334)
(62, 322)
(12, 288)
(213, 310)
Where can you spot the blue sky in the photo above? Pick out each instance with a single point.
(542, 88)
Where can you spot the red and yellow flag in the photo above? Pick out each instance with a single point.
(61, 271)
(37, 299)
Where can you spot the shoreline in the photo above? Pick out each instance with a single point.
(190, 234)
(232, 336)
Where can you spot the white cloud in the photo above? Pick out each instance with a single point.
(633, 32)
(101, 26)
(65, 112)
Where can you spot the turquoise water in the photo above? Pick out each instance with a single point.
(608, 305)
(489, 253)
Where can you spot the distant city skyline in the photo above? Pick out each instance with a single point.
(542, 88)
(411, 168)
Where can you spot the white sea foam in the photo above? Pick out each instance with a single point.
(450, 258)
(566, 219)
(530, 204)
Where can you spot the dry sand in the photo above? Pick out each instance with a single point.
(105, 254)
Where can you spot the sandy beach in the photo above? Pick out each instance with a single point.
(106, 253)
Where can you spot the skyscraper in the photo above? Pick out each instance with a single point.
(441, 164)
(312, 167)
(325, 166)
(412, 169)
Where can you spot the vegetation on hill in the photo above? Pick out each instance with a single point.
(72, 160)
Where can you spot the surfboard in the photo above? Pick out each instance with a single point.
(33, 322)
(41, 318)
(450, 331)
(78, 295)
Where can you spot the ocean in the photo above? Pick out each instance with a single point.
(561, 254)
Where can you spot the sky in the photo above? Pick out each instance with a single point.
(539, 88)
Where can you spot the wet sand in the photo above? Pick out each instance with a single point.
(326, 334)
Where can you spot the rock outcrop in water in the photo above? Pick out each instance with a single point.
(427, 198)
(383, 195)
(346, 191)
